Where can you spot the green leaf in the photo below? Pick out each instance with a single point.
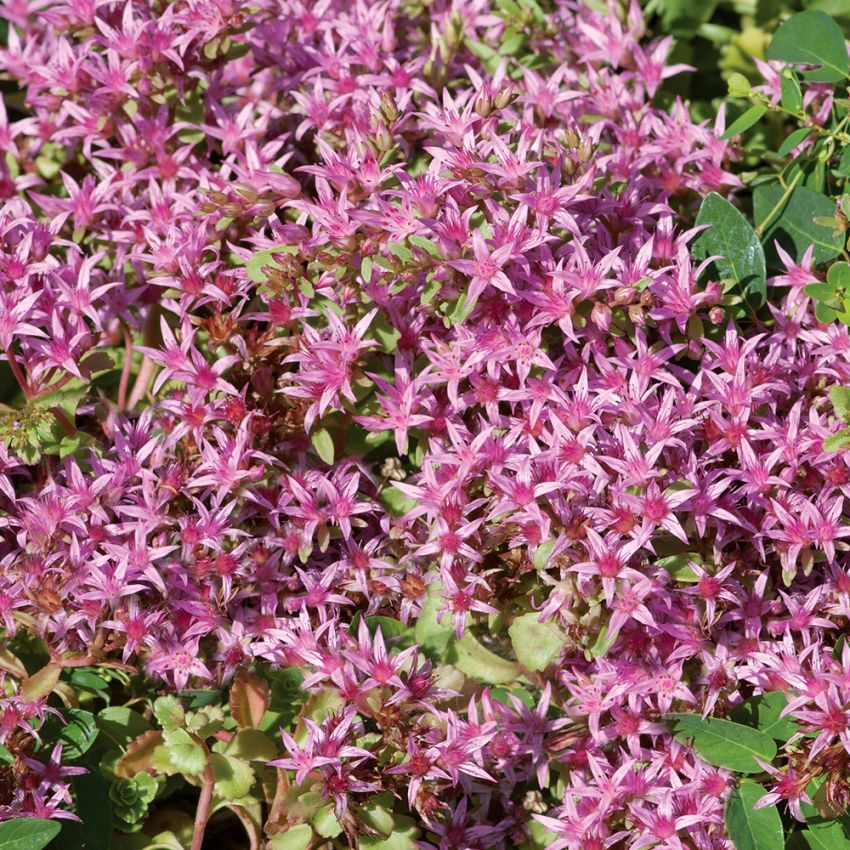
(763, 713)
(298, 837)
(479, 663)
(731, 237)
(536, 644)
(27, 833)
(366, 269)
(76, 735)
(748, 829)
(679, 566)
(837, 442)
(121, 725)
(753, 114)
(811, 38)
(91, 803)
(5, 756)
(266, 259)
(840, 398)
(825, 836)
(542, 553)
(169, 712)
(401, 251)
(233, 777)
(843, 167)
(426, 245)
(403, 837)
(323, 444)
(724, 743)
(184, 752)
(325, 822)
(251, 745)
(432, 635)
(792, 222)
(794, 139)
(792, 96)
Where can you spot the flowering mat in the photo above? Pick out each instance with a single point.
(425, 425)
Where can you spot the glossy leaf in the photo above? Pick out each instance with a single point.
(731, 238)
(27, 833)
(749, 829)
(791, 221)
(724, 743)
(812, 38)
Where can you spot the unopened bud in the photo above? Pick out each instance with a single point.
(601, 316)
(383, 137)
(585, 150)
(505, 97)
(389, 108)
(716, 315)
(483, 104)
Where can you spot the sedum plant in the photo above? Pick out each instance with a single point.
(419, 430)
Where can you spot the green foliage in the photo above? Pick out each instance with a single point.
(723, 742)
(763, 713)
(27, 833)
(812, 38)
(536, 644)
(731, 238)
(749, 829)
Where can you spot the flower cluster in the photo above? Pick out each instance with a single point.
(326, 314)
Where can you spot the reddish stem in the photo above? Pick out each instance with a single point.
(23, 383)
(202, 813)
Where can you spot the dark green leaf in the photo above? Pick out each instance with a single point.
(76, 735)
(27, 833)
(825, 836)
(794, 139)
(753, 114)
(792, 97)
(752, 830)
(91, 803)
(762, 713)
(724, 743)
(731, 238)
(121, 725)
(792, 224)
(811, 38)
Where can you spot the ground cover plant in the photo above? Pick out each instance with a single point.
(425, 425)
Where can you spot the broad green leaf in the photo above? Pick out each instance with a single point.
(536, 645)
(403, 837)
(811, 38)
(753, 114)
(27, 833)
(763, 713)
(5, 756)
(323, 444)
(840, 398)
(731, 238)
(76, 734)
(251, 745)
(825, 836)
(91, 803)
(679, 566)
(791, 222)
(325, 822)
(433, 635)
(298, 837)
(233, 777)
(266, 259)
(752, 830)
(168, 711)
(724, 743)
(479, 663)
(185, 753)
